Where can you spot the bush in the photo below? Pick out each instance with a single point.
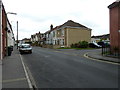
(81, 44)
(74, 45)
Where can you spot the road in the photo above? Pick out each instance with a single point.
(69, 69)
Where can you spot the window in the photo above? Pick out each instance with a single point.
(58, 41)
(53, 34)
(62, 32)
(63, 41)
(55, 42)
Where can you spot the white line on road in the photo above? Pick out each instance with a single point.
(26, 74)
(13, 80)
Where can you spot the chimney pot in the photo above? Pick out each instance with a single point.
(51, 27)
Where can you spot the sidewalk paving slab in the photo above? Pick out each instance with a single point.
(13, 75)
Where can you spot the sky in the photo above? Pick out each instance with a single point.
(37, 15)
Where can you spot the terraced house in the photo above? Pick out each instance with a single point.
(6, 33)
(64, 35)
(68, 33)
(36, 37)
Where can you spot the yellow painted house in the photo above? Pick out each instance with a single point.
(69, 33)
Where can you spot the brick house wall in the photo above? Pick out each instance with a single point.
(0, 30)
(66, 34)
(70, 33)
(4, 31)
(75, 35)
(114, 11)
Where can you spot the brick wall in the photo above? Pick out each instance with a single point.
(76, 35)
(0, 30)
(115, 24)
(4, 34)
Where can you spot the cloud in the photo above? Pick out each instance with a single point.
(38, 15)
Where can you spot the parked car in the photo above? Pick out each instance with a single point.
(94, 45)
(19, 44)
(103, 43)
(25, 48)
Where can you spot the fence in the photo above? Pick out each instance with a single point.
(109, 51)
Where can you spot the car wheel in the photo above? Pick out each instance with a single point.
(21, 52)
(30, 52)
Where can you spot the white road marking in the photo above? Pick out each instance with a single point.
(26, 74)
(13, 80)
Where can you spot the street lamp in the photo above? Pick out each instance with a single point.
(11, 13)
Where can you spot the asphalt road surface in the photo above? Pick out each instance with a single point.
(69, 69)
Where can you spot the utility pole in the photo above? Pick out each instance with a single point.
(17, 34)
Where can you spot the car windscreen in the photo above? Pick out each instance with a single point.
(25, 46)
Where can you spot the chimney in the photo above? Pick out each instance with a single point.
(51, 27)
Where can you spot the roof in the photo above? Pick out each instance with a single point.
(114, 4)
(101, 36)
(73, 24)
(70, 23)
(48, 31)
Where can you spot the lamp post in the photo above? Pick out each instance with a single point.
(11, 13)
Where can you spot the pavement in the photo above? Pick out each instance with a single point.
(13, 74)
(99, 56)
(0, 74)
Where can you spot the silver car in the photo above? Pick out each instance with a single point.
(25, 48)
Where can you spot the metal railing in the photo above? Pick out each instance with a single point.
(109, 51)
